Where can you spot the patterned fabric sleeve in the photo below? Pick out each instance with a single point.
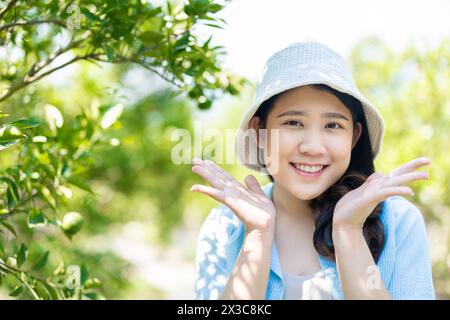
(211, 254)
(412, 276)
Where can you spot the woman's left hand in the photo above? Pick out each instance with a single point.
(355, 206)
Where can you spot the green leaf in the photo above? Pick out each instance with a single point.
(12, 192)
(154, 12)
(214, 7)
(109, 52)
(182, 42)
(41, 263)
(88, 14)
(80, 183)
(151, 36)
(213, 25)
(200, 6)
(111, 116)
(83, 274)
(12, 200)
(169, 7)
(9, 227)
(41, 292)
(21, 255)
(16, 291)
(52, 292)
(5, 145)
(25, 123)
(36, 218)
(10, 133)
(48, 197)
(189, 10)
(94, 296)
(53, 117)
(60, 269)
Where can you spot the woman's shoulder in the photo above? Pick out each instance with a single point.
(401, 214)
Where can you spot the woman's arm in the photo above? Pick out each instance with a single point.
(356, 267)
(248, 279)
(359, 275)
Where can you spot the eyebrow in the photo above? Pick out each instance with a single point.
(303, 113)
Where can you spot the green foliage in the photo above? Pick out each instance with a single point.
(411, 90)
(52, 149)
(157, 38)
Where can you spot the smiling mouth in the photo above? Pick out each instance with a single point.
(312, 170)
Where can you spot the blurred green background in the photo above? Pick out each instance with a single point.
(110, 158)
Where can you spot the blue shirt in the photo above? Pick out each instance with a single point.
(404, 263)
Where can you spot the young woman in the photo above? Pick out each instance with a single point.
(328, 226)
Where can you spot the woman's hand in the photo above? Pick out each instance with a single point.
(250, 204)
(353, 208)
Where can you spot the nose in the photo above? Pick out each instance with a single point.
(311, 144)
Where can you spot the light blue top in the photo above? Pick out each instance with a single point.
(404, 262)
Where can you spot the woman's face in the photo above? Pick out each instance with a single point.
(315, 127)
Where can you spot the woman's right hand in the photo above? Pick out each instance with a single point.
(250, 204)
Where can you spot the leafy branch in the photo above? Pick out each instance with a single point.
(58, 22)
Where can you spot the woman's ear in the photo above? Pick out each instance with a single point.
(356, 133)
(255, 123)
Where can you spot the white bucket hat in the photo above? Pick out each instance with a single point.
(303, 63)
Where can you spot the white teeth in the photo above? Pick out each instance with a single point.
(305, 168)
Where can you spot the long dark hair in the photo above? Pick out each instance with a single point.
(360, 168)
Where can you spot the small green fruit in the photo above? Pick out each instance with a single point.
(72, 223)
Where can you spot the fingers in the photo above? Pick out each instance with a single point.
(411, 166)
(252, 183)
(393, 191)
(212, 192)
(406, 178)
(215, 169)
(205, 173)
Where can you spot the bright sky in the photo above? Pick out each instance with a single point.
(257, 28)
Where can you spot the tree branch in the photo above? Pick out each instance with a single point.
(15, 209)
(122, 59)
(32, 22)
(7, 8)
(31, 77)
(38, 66)
(29, 80)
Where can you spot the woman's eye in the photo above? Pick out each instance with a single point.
(293, 123)
(334, 125)
(296, 123)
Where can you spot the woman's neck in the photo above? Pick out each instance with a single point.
(288, 206)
